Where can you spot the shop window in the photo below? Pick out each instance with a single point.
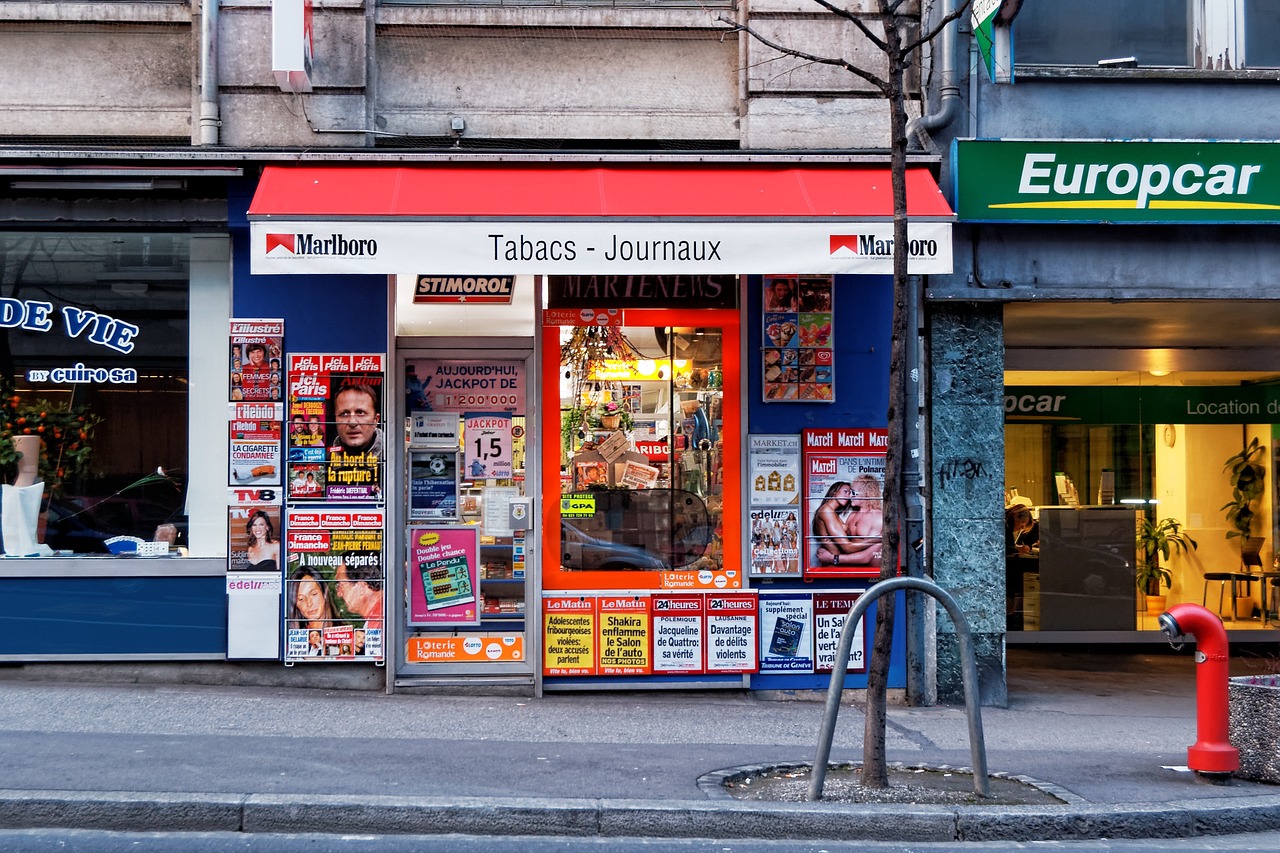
(1208, 34)
(642, 454)
(94, 365)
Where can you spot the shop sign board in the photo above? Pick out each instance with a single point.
(468, 649)
(573, 248)
(830, 612)
(443, 574)
(677, 633)
(642, 291)
(1152, 404)
(732, 632)
(464, 289)
(569, 635)
(843, 504)
(1116, 181)
(786, 632)
(624, 641)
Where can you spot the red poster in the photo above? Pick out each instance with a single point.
(843, 503)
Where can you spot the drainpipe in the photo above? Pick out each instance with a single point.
(210, 118)
(949, 91)
(921, 635)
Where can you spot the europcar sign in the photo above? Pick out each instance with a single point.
(1141, 182)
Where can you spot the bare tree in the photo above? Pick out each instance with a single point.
(900, 39)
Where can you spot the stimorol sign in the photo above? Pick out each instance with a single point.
(1147, 182)
(665, 247)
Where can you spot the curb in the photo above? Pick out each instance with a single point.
(264, 813)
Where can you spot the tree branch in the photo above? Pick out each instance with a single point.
(932, 33)
(735, 26)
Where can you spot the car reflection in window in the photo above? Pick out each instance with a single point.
(641, 529)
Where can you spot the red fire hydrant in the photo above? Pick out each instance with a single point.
(1212, 753)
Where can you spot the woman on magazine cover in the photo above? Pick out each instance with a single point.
(264, 548)
(309, 602)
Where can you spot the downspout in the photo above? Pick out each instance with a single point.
(921, 639)
(210, 117)
(948, 91)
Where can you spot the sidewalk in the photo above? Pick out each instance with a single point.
(1105, 728)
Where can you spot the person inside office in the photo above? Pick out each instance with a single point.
(1021, 531)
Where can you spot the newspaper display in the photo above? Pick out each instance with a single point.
(786, 632)
(337, 441)
(336, 577)
(256, 365)
(843, 505)
(796, 345)
(255, 435)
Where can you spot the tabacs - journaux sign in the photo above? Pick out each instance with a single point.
(1129, 182)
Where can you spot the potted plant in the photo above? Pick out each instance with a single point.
(1246, 473)
(611, 416)
(1156, 541)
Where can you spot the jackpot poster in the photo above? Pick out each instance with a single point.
(443, 575)
(337, 428)
(843, 501)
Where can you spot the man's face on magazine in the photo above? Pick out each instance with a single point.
(356, 416)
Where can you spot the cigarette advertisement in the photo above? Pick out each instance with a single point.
(786, 632)
(796, 344)
(443, 575)
(256, 360)
(843, 504)
(341, 454)
(335, 582)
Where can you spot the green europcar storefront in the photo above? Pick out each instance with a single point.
(1139, 316)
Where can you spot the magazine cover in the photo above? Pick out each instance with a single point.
(256, 365)
(843, 503)
(336, 445)
(335, 581)
(254, 531)
(255, 434)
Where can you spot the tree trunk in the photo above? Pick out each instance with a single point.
(875, 773)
